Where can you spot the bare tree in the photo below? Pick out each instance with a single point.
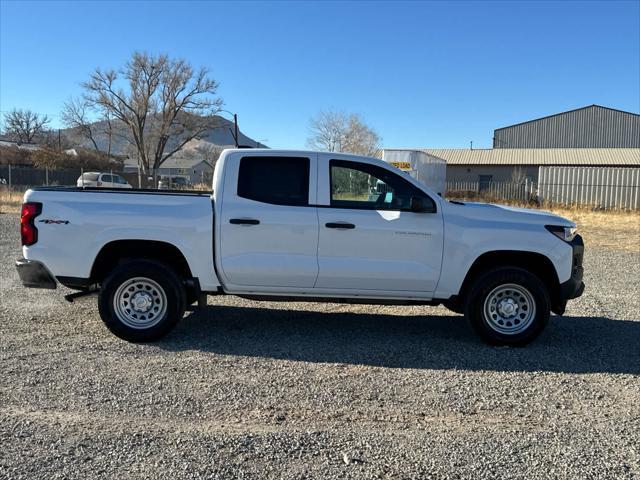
(209, 152)
(338, 132)
(78, 115)
(361, 139)
(24, 125)
(163, 102)
(327, 131)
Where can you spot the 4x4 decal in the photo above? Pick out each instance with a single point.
(55, 222)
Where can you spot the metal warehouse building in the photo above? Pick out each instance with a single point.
(588, 127)
(592, 136)
(591, 154)
(509, 164)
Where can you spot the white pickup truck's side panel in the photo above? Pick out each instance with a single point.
(472, 230)
(280, 251)
(98, 218)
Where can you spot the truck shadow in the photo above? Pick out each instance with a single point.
(569, 344)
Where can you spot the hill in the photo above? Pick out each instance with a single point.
(221, 135)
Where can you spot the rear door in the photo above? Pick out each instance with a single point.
(370, 241)
(269, 224)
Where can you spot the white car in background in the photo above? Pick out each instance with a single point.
(102, 180)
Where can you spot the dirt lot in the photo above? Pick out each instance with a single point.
(251, 390)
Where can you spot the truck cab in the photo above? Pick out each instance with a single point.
(308, 224)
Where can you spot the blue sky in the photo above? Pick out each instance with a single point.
(423, 74)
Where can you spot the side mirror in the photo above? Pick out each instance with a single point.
(420, 205)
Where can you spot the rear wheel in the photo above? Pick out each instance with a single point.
(141, 301)
(508, 306)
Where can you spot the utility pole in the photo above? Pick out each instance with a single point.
(234, 132)
(235, 128)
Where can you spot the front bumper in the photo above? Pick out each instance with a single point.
(34, 274)
(574, 287)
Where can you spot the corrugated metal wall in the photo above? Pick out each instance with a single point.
(607, 188)
(590, 127)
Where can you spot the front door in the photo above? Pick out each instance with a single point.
(369, 239)
(269, 225)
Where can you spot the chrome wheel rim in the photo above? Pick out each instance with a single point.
(509, 309)
(140, 303)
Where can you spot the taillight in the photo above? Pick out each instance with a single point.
(28, 230)
(99, 184)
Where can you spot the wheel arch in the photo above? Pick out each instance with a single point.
(536, 263)
(117, 252)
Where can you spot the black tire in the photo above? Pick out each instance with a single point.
(158, 288)
(496, 295)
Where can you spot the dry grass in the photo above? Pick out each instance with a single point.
(611, 229)
(10, 201)
(203, 187)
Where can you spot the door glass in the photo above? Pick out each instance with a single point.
(365, 186)
(106, 178)
(275, 180)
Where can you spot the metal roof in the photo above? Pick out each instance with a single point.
(588, 127)
(539, 156)
(588, 107)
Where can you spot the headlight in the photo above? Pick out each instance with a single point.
(563, 233)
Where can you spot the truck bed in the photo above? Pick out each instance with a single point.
(77, 223)
(122, 190)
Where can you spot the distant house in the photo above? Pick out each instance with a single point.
(22, 146)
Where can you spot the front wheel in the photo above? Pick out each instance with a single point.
(141, 301)
(508, 306)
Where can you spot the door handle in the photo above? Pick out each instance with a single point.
(244, 221)
(341, 225)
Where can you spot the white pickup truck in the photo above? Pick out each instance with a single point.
(304, 226)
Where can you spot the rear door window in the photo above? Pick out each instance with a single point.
(107, 178)
(275, 180)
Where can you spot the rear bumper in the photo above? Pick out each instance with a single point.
(574, 287)
(34, 274)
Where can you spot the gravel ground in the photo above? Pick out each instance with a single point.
(259, 390)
